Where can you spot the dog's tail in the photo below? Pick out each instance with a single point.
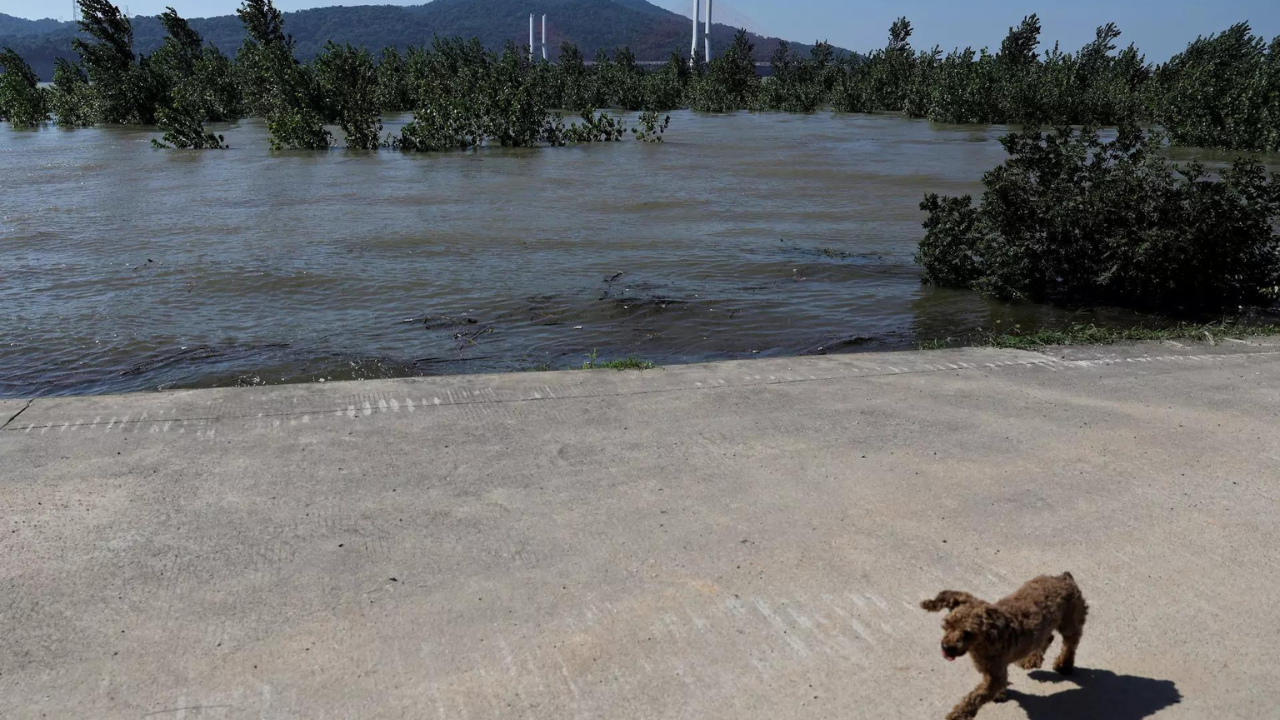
(1081, 608)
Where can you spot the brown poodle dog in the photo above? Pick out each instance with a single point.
(1017, 628)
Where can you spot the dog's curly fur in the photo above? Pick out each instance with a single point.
(1017, 629)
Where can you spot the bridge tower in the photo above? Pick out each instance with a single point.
(693, 47)
(706, 34)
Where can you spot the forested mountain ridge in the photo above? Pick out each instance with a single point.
(650, 31)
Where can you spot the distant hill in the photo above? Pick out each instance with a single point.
(10, 25)
(650, 31)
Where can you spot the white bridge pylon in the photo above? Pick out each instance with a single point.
(706, 33)
(533, 48)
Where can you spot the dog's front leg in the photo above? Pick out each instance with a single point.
(992, 686)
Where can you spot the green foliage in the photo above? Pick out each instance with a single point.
(799, 84)
(213, 86)
(630, 362)
(440, 127)
(1068, 218)
(265, 66)
(183, 124)
(1016, 85)
(1222, 91)
(349, 82)
(298, 128)
(651, 32)
(468, 96)
(664, 90)
(1036, 338)
(197, 84)
(1089, 334)
(274, 84)
(620, 81)
(515, 112)
(394, 92)
(729, 82)
(649, 129)
(71, 98)
(596, 128)
(22, 102)
(573, 85)
(124, 89)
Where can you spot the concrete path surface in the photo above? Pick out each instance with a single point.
(736, 540)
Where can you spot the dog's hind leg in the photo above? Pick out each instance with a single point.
(1036, 658)
(1071, 628)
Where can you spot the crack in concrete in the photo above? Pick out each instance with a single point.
(15, 415)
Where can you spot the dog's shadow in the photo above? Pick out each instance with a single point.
(1098, 694)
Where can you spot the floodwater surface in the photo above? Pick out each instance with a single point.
(126, 268)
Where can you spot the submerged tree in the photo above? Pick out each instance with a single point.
(1222, 91)
(123, 88)
(1068, 218)
(22, 102)
(197, 86)
(395, 91)
(665, 89)
(71, 98)
(349, 82)
(619, 80)
(798, 84)
(274, 84)
(573, 83)
(730, 82)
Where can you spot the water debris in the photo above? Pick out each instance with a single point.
(838, 345)
(468, 337)
(652, 302)
(441, 322)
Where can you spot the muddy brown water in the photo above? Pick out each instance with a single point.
(125, 268)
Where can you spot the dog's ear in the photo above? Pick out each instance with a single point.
(948, 600)
(994, 622)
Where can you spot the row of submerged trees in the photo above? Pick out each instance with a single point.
(1223, 91)
(461, 94)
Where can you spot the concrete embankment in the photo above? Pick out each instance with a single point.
(733, 540)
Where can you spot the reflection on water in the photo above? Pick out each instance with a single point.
(126, 268)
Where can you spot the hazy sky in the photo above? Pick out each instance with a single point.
(1159, 27)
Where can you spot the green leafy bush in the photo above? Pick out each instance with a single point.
(650, 129)
(71, 99)
(729, 82)
(184, 129)
(22, 102)
(1222, 91)
(195, 83)
(1068, 218)
(348, 80)
(126, 90)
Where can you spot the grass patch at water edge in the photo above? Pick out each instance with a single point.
(630, 362)
(1089, 334)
